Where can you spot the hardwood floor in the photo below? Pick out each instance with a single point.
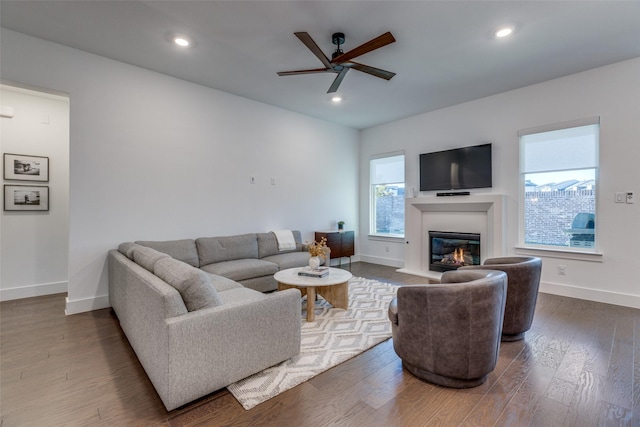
(579, 365)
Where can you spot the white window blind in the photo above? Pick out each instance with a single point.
(563, 149)
(387, 170)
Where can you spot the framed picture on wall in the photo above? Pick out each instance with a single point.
(26, 198)
(21, 167)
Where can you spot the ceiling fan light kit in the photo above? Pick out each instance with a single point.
(341, 62)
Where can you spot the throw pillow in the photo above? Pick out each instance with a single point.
(127, 248)
(194, 285)
(147, 257)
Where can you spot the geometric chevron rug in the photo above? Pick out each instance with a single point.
(335, 336)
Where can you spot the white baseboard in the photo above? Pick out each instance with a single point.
(87, 304)
(33, 291)
(398, 263)
(597, 295)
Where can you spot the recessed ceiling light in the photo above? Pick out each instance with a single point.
(504, 31)
(336, 99)
(181, 41)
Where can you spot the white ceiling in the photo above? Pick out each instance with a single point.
(444, 54)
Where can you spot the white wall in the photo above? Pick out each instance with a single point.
(153, 157)
(611, 92)
(34, 244)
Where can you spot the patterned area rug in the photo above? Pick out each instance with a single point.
(335, 336)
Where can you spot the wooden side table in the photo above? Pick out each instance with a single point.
(341, 243)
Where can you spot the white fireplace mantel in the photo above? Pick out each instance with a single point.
(482, 213)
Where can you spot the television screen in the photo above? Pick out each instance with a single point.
(458, 169)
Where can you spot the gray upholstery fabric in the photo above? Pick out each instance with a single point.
(449, 334)
(127, 248)
(187, 355)
(147, 257)
(241, 269)
(226, 248)
(242, 295)
(183, 250)
(260, 284)
(523, 275)
(289, 260)
(193, 284)
(222, 283)
(268, 244)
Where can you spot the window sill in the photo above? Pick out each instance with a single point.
(560, 253)
(387, 237)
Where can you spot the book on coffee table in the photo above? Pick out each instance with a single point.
(319, 272)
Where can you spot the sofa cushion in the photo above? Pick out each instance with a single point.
(289, 260)
(147, 257)
(241, 269)
(183, 250)
(194, 285)
(222, 283)
(226, 248)
(242, 296)
(127, 248)
(268, 244)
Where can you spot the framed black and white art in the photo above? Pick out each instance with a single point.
(22, 167)
(26, 198)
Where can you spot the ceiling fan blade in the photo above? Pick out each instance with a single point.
(383, 74)
(313, 47)
(312, 71)
(373, 44)
(338, 80)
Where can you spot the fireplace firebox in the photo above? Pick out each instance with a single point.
(449, 251)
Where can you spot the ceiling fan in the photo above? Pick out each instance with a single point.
(341, 62)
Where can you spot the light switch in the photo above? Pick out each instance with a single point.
(620, 197)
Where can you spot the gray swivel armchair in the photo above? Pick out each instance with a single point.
(449, 333)
(523, 275)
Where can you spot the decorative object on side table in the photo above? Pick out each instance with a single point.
(317, 250)
(340, 225)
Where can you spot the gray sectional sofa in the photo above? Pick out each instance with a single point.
(192, 312)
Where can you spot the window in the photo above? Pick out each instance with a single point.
(559, 173)
(387, 195)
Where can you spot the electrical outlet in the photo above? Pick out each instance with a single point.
(630, 198)
(252, 179)
(386, 248)
(562, 270)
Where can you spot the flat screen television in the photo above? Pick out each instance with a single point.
(457, 169)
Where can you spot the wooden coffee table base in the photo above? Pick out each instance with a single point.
(336, 295)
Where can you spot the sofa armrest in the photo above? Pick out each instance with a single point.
(212, 348)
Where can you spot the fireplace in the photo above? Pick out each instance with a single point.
(448, 251)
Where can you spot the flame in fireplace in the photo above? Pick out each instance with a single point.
(458, 255)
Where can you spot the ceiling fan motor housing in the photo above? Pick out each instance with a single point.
(338, 39)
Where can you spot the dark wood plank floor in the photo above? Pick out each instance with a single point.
(578, 366)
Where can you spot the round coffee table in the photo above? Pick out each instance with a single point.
(333, 287)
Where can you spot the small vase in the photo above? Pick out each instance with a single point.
(314, 262)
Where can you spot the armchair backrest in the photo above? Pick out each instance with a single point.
(452, 328)
(523, 275)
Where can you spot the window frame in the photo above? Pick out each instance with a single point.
(568, 252)
(373, 233)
